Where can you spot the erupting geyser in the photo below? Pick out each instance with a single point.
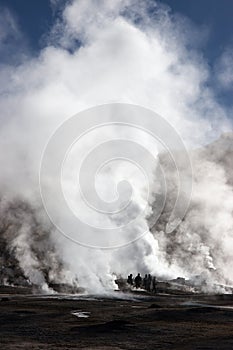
(100, 52)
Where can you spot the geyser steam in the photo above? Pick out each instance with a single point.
(116, 51)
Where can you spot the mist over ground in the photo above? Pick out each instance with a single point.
(99, 52)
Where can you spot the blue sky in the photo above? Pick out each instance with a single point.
(214, 17)
(215, 14)
(35, 18)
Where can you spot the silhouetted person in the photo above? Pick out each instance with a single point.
(144, 282)
(154, 284)
(138, 280)
(148, 285)
(130, 279)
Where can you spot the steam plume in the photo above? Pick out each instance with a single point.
(116, 51)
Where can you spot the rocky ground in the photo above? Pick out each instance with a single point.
(126, 321)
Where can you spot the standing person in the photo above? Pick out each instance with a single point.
(144, 282)
(130, 279)
(149, 280)
(154, 284)
(138, 280)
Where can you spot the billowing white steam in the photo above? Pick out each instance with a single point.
(120, 51)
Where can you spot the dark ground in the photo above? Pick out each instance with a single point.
(161, 322)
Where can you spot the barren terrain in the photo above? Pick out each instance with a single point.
(127, 321)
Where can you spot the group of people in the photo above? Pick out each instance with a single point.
(147, 282)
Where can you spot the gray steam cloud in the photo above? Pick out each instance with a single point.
(115, 51)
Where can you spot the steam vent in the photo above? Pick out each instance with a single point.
(116, 182)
